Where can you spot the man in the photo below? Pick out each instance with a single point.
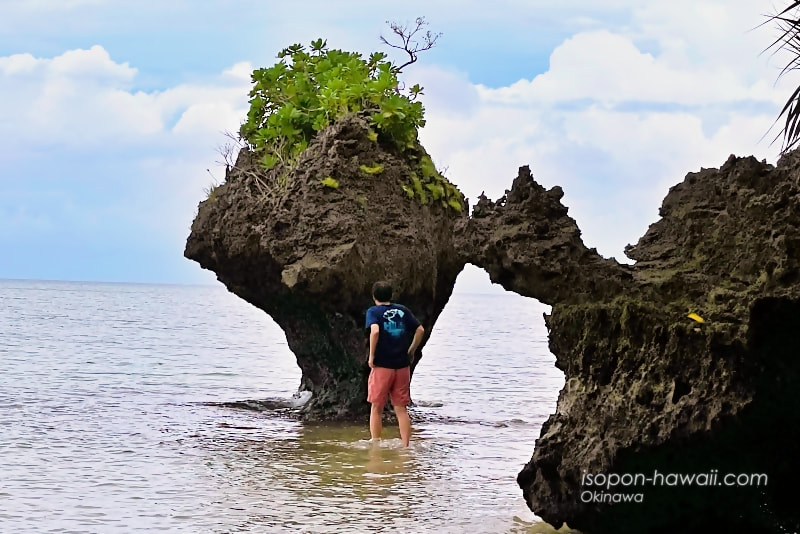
(390, 357)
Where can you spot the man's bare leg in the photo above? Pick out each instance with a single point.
(376, 421)
(404, 422)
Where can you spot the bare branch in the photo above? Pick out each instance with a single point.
(230, 150)
(408, 44)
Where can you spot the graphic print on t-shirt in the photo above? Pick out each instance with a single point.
(393, 322)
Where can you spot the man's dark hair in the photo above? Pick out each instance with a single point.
(382, 291)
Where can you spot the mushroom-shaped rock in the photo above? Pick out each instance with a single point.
(305, 245)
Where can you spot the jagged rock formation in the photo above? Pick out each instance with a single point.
(647, 388)
(650, 390)
(308, 254)
(528, 244)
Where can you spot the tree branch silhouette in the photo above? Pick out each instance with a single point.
(408, 44)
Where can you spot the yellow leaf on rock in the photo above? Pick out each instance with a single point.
(695, 317)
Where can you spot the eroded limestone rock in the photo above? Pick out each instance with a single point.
(308, 254)
(529, 245)
(647, 388)
(650, 390)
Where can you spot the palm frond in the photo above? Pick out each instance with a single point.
(788, 22)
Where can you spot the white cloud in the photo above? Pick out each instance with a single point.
(82, 99)
(626, 109)
(240, 72)
(216, 116)
(616, 126)
(18, 64)
(460, 98)
(92, 64)
(131, 161)
(610, 68)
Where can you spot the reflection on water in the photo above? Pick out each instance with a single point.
(320, 478)
(331, 478)
(125, 408)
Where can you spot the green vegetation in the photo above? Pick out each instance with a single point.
(308, 89)
(377, 168)
(211, 192)
(432, 186)
(305, 91)
(331, 182)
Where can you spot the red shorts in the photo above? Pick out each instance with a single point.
(394, 383)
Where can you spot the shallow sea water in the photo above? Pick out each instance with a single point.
(121, 408)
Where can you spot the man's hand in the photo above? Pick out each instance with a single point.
(412, 350)
(374, 331)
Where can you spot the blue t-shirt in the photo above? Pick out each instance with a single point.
(397, 326)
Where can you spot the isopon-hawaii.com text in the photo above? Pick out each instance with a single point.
(606, 487)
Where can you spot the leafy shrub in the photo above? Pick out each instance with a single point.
(306, 91)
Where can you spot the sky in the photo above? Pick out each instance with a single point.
(113, 112)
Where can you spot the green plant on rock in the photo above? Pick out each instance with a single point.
(419, 191)
(211, 192)
(306, 90)
(437, 191)
(330, 181)
(456, 204)
(433, 186)
(376, 168)
(427, 168)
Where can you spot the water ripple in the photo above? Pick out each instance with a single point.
(170, 408)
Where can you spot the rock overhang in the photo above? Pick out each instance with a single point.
(643, 380)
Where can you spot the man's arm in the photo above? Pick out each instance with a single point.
(374, 331)
(415, 342)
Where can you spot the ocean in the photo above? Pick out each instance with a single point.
(123, 408)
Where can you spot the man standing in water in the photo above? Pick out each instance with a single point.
(390, 358)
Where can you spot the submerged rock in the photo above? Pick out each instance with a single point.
(308, 253)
